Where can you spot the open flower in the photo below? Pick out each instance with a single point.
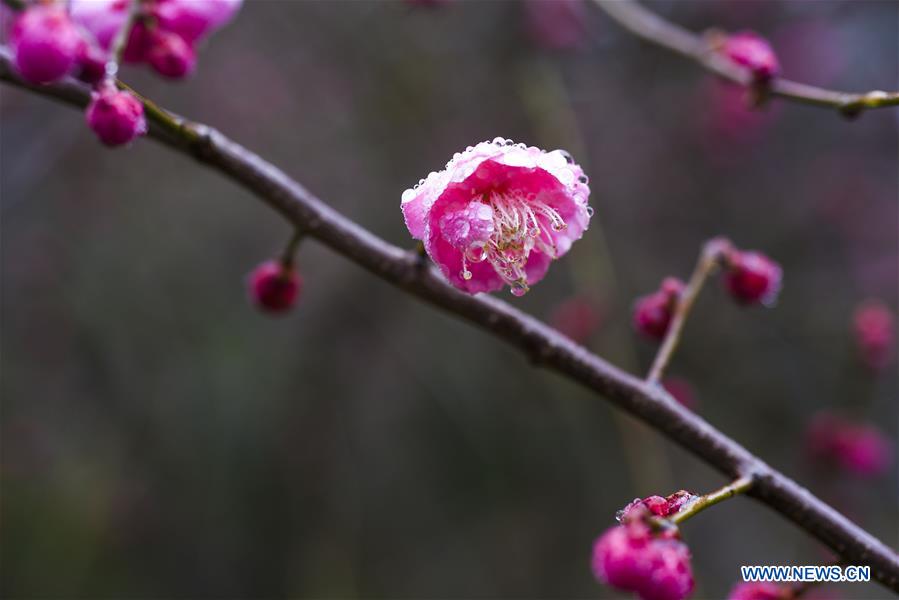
(498, 214)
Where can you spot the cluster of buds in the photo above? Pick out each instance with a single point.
(51, 40)
(641, 557)
(165, 33)
(750, 278)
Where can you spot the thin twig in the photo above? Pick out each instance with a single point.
(653, 28)
(740, 486)
(708, 261)
(545, 346)
(120, 41)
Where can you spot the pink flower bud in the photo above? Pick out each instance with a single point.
(171, 56)
(117, 117)
(874, 327)
(753, 278)
(653, 312)
(91, 63)
(577, 317)
(45, 43)
(630, 558)
(759, 590)
(274, 287)
(749, 49)
(656, 505)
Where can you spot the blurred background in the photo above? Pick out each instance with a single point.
(160, 438)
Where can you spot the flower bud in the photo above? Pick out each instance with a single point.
(752, 278)
(171, 56)
(45, 43)
(653, 312)
(631, 558)
(91, 63)
(274, 287)
(749, 49)
(117, 117)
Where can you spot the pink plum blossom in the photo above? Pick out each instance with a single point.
(499, 214)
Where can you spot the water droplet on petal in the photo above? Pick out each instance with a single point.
(519, 289)
(466, 274)
(583, 179)
(589, 211)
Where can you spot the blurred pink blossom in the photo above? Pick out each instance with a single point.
(873, 325)
(856, 447)
(556, 24)
(577, 317)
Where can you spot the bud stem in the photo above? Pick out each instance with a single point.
(732, 489)
(290, 249)
(709, 259)
(120, 42)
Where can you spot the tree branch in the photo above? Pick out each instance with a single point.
(545, 346)
(653, 28)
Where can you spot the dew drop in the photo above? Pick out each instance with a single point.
(589, 211)
(583, 179)
(476, 255)
(568, 158)
(519, 289)
(465, 274)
